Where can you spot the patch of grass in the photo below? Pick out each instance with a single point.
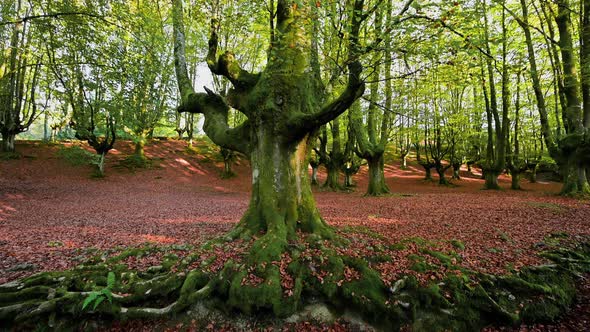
(134, 162)
(77, 156)
(55, 244)
(4, 156)
(458, 244)
(549, 206)
(505, 237)
(400, 195)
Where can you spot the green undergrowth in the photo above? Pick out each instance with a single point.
(5, 156)
(134, 162)
(77, 156)
(557, 208)
(280, 278)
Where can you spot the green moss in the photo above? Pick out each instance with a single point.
(77, 156)
(458, 244)
(134, 161)
(422, 267)
(462, 301)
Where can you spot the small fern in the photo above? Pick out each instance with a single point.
(99, 296)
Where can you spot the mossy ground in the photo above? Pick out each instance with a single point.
(431, 291)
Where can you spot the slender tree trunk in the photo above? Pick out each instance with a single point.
(139, 148)
(585, 61)
(427, 171)
(46, 129)
(348, 180)
(404, 161)
(100, 166)
(456, 169)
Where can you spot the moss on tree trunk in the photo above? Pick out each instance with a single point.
(491, 179)
(377, 185)
(332, 177)
(281, 202)
(139, 148)
(574, 177)
(8, 141)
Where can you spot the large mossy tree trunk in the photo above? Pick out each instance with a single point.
(491, 179)
(283, 110)
(281, 202)
(332, 175)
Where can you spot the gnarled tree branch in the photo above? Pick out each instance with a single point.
(226, 64)
(210, 104)
(215, 110)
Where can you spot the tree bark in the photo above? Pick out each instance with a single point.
(8, 141)
(456, 169)
(281, 200)
(377, 185)
(491, 179)
(333, 175)
(139, 148)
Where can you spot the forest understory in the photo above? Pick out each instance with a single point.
(55, 216)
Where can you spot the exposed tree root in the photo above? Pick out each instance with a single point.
(279, 278)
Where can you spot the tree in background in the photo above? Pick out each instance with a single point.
(20, 74)
(148, 80)
(372, 136)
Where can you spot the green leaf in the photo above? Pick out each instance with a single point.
(97, 302)
(107, 292)
(111, 280)
(89, 299)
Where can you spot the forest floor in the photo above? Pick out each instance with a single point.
(51, 212)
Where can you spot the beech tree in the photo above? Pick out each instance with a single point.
(372, 141)
(20, 72)
(282, 112)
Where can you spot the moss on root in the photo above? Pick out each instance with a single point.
(279, 278)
